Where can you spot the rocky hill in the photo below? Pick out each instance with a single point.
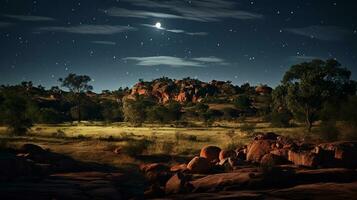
(187, 90)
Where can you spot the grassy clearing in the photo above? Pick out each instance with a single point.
(96, 141)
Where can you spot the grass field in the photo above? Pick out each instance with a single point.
(96, 141)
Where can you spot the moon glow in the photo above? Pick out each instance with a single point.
(158, 25)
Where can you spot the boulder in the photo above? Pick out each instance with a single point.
(272, 159)
(242, 155)
(227, 154)
(306, 158)
(199, 165)
(156, 172)
(211, 153)
(258, 148)
(266, 136)
(178, 168)
(179, 183)
(281, 152)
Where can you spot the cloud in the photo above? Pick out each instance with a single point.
(5, 24)
(30, 18)
(104, 42)
(89, 29)
(304, 58)
(198, 10)
(211, 59)
(178, 31)
(327, 33)
(175, 61)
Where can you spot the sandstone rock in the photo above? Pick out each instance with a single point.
(272, 159)
(227, 154)
(179, 183)
(216, 182)
(211, 153)
(308, 159)
(179, 168)
(199, 165)
(267, 136)
(154, 191)
(281, 152)
(156, 172)
(257, 149)
(242, 155)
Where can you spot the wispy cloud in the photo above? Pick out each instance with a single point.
(198, 10)
(303, 58)
(104, 42)
(327, 33)
(89, 29)
(29, 18)
(178, 31)
(176, 61)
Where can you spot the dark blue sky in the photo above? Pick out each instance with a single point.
(116, 41)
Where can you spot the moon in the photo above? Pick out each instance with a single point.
(158, 25)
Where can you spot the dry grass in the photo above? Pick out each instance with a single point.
(96, 141)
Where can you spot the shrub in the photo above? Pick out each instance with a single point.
(280, 119)
(328, 131)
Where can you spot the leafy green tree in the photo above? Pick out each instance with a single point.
(77, 85)
(14, 113)
(135, 110)
(306, 87)
(243, 102)
(157, 113)
(111, 111)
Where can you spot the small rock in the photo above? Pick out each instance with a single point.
(227, 154)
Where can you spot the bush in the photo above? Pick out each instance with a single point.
(14, 113)
(328, 131)
(280, 119)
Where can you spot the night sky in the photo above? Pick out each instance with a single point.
(117, 42)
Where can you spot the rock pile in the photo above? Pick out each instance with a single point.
(269, 160)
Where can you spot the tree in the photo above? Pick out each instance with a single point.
(77, 85)
(243, 102)
(14, 113)
(134, 110)
(306, 87)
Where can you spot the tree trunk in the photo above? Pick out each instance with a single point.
(79, 109)
(308, 120)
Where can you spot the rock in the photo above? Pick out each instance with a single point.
(242, 155)
(179, 168)
(308, 159)
(179, 183)
(211, 153)
(216, 182)
(281, 152)
(272, 159)
(199, 165)
(267, 136)
(227, 154)
(118, 150)
(156, 172)
(258, 148)
(16, 167)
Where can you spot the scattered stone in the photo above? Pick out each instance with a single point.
(179, 168)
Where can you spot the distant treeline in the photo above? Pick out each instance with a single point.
(309, 92)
